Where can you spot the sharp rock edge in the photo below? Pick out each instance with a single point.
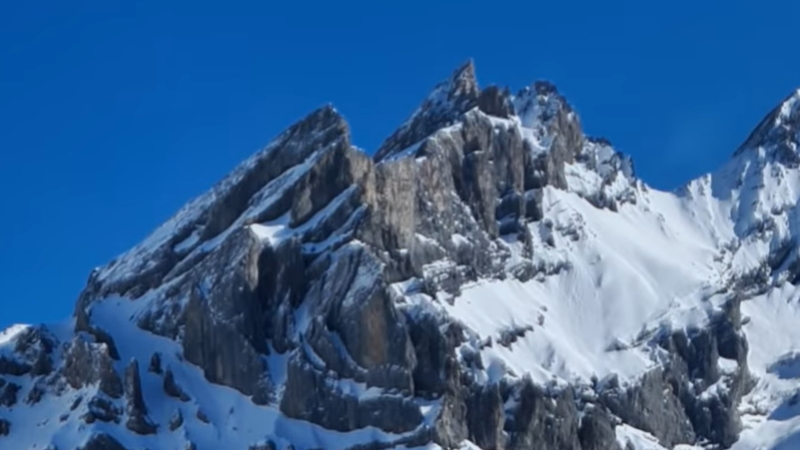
(492, 278)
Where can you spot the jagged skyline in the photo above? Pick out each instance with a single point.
(491, 278)
(121, 116)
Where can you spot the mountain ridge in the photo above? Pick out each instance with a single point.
(491, 278)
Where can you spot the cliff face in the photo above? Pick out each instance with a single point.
(492, 278)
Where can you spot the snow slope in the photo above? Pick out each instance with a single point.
(608, 283)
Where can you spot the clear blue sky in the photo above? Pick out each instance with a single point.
(113, 113)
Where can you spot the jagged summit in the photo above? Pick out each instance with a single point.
(211, 213)
(448, 100)
(493, 278)
(778, 132)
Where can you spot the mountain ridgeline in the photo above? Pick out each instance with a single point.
(492, 278)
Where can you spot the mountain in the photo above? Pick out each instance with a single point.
(491, 279)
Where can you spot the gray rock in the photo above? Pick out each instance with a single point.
(645, 406)
(146, 267)
(434, 344)
(138, 422)
(102, 441)
(102, 409)
(176, 421)
(716, 417)
(155, 364)
(485, 417)
(35, 346)
(309, 395)
(35, 395)
(75, 403)
(668, 402)
(543, 421)
(220, 321)
(361, 312)
(8, 394)
(172, 388)
(597, 430)
(436, 208)
(201, 415)
(12, 367)
(87, 363)
(444, 105)
(336, 170)
(450, 428)
(496, 102)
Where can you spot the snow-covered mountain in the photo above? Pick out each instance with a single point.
(492, 278)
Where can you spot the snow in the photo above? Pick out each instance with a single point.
(144, 256)
(279, 229)
(235, 422)
(405, 153)
(609, 282)
(639, 440)
(10, 333)
(658, 264)
(628, 273)
(188, 243)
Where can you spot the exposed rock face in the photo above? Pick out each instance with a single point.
(310, 396)
(155, 364)
(102, 409)
(176, 421)
(485, 417)
(543, 421)
(102, 441)
(319, 282)
(35, 395)
(8, 394)
(32, 355)
(677, 412)
(172, 388)
(12, 367)
(88, 363)
(646, 407)
(597, 430)
(777, 133)
(463, 165)
(136, 409)
(443, 106)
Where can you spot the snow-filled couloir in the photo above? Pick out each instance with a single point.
(492, 278)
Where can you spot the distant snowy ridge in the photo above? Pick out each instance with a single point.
(492, 278)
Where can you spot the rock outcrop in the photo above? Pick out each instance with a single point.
(102, 441)
(87, 363)
(138, 422)
(322, 285)
(348, 227)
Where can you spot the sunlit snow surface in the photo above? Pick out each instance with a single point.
(611, 280)
(235, 422)
(630, 271)
(656, 264)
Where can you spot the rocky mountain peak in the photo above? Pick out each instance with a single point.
(493, 278)
(778, 134)
(205, 217)
(541, 103)
(448, 100)
(463, 82)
